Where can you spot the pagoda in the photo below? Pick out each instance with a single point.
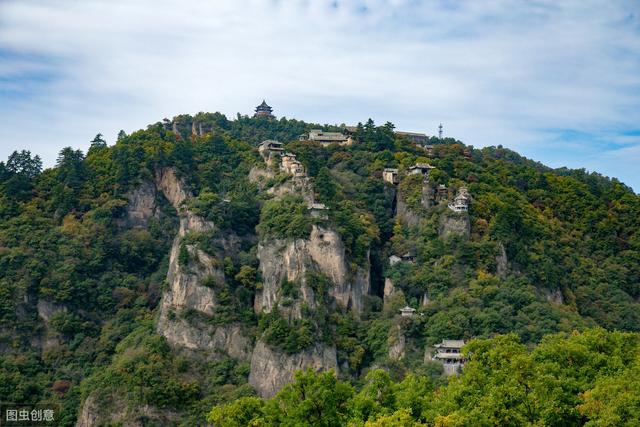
(263, 110)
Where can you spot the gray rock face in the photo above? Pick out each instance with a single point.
(501, 263)
(115, 411)
(397, 344)
(555, 297)
(89, 415)
(259, 176)
(406, 215)
(46, 310)
(454, 223)
(142, 207)
(323, 252)
(270, 370)
(185, 290)
(388, 287)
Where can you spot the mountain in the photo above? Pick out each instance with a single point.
(185, 273)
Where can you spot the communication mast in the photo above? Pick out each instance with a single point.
(440, 131)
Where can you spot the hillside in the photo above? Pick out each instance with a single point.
(181, 269)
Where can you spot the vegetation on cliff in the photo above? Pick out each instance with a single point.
(549, 251)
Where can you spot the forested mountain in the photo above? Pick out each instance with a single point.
(181, 277)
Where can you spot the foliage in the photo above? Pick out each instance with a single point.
(566, 380)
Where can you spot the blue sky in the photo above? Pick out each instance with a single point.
(557, 81)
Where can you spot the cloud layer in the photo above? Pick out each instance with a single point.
(556, 81)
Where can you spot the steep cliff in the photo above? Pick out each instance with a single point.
(322, 252)
(454, 223)
(185, 290)
(298, 261)
(271, 369)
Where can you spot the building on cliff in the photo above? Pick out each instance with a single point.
(263, 110)
(292, 166)
(390, 175)
(327, 138)
(461, 202)
(421, 168)
(318, 210)
(270, 146)
(407, 311)
(448, 352)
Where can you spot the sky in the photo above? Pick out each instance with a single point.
(556, 81)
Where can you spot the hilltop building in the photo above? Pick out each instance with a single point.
(263, 110)
(415, 137)
(327, 138)
(448, 352)
(390, 175)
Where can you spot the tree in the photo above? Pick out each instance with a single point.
(324, 186)
(312, 399)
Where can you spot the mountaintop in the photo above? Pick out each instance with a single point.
(191, 269)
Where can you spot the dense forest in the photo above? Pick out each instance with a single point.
(158, 280)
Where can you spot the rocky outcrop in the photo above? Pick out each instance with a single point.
(142, 206)
(425, 299)
(454, 223)
(406, 215)
(555, 297)
(270, 369)
(185, 291)
(322, 252)
(89, 414)
(388, 287)
(296, 186)
(292, 261)
(199, 335)
(114, 410)
(397, 343)
(260, 176)
(46, 310)
(501, 262)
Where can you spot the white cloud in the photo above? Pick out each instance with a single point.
(497, 71)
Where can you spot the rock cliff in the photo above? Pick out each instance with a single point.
(454, 223)
(270, 369)
(142, 206)
(322, 252)
(404, 214)
(185, 291)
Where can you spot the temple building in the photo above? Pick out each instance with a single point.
(461, 202)
(442, 193)
(318, 210)
(422, 168)
(407, 311)
(327, 138)
(390, 175)
(292, 166)
(263, 110)
(270, 146)
(429, 150)
(448, 352)
(416, 138)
